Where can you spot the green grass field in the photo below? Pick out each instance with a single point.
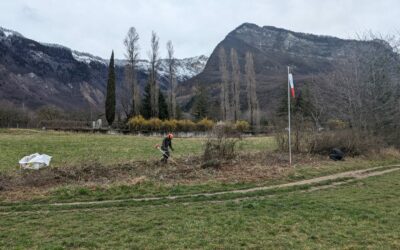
(363, 214)
(76, 148)
(357, 215)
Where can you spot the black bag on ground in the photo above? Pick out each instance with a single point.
(336, 154)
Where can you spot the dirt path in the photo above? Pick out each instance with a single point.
(354, 175)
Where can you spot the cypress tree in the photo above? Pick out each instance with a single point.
(110, 96)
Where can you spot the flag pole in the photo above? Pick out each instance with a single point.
(289, 138)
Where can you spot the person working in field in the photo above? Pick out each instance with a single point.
(165, 146)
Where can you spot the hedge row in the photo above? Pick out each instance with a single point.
(138, 123)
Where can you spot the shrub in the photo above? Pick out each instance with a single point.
(137, 123)
(205, 124)
(186, 125)
(336, 124)
(242, 126)
(169, 125)
(220, 145)
(227, 127)
(349, 141)
(281, 139)
(154, 124)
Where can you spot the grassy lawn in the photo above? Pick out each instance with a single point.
(363, 214)
(71, 193)
(76, 148)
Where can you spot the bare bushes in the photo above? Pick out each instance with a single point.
(221, 145)
(351, 142)
(12, 116)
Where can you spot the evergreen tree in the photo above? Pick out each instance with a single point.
(282, 110)
(178, 113)
(302, 104)
(146, 108)
(200, 107)
(146, 103)
(163, 113)
(110, 96)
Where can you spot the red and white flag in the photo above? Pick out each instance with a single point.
(291, 84)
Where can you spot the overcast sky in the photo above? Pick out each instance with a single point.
(194, 26)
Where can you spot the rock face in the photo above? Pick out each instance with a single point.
(34, 74)
(274, 49)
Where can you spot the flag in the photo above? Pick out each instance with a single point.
(291, 84)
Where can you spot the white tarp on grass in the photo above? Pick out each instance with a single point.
(35, 161)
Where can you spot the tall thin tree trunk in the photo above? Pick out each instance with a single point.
(235, 84)
(154, 64)
(172, 80)
(252, 100)
(225, 100)
(131, 97)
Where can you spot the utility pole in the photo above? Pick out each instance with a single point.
(289, 139)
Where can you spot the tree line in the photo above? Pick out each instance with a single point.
(231, 88)
(153, 103)
(232, 79)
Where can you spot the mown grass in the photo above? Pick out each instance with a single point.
(78, 148)
(360, 215)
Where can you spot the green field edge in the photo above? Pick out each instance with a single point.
(209, 197)
(166, 200)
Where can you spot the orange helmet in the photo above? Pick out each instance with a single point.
(170, 136)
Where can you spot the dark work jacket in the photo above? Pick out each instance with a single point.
(166, 144)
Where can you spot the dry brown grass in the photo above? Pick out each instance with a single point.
(243, 168)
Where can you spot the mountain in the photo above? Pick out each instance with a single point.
(274, 49)
(35, 74)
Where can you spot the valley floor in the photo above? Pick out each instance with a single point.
(126, 199)
(363, 213)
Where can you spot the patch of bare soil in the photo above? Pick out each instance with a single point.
(244, 168)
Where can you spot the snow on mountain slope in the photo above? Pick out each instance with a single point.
(186, 68)
(4, 33)
(87, 58)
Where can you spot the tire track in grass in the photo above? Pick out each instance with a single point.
(318, 183)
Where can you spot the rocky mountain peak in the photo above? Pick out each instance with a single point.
(273, 50)
(37, 74)
(4, 33)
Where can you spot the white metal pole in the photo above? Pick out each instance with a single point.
(289, 138)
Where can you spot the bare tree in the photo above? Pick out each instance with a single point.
(172, 80)
(130, 99)
(252, 92)
(235, 86)
(366, 87)
(153, 74)
(225, 101)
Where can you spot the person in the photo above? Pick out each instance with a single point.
(165, 146)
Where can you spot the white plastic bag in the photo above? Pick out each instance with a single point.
(35, 161)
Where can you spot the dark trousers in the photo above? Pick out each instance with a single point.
(165, 155)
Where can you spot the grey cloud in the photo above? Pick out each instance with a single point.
(194, 26)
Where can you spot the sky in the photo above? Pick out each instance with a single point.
(195, 27)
